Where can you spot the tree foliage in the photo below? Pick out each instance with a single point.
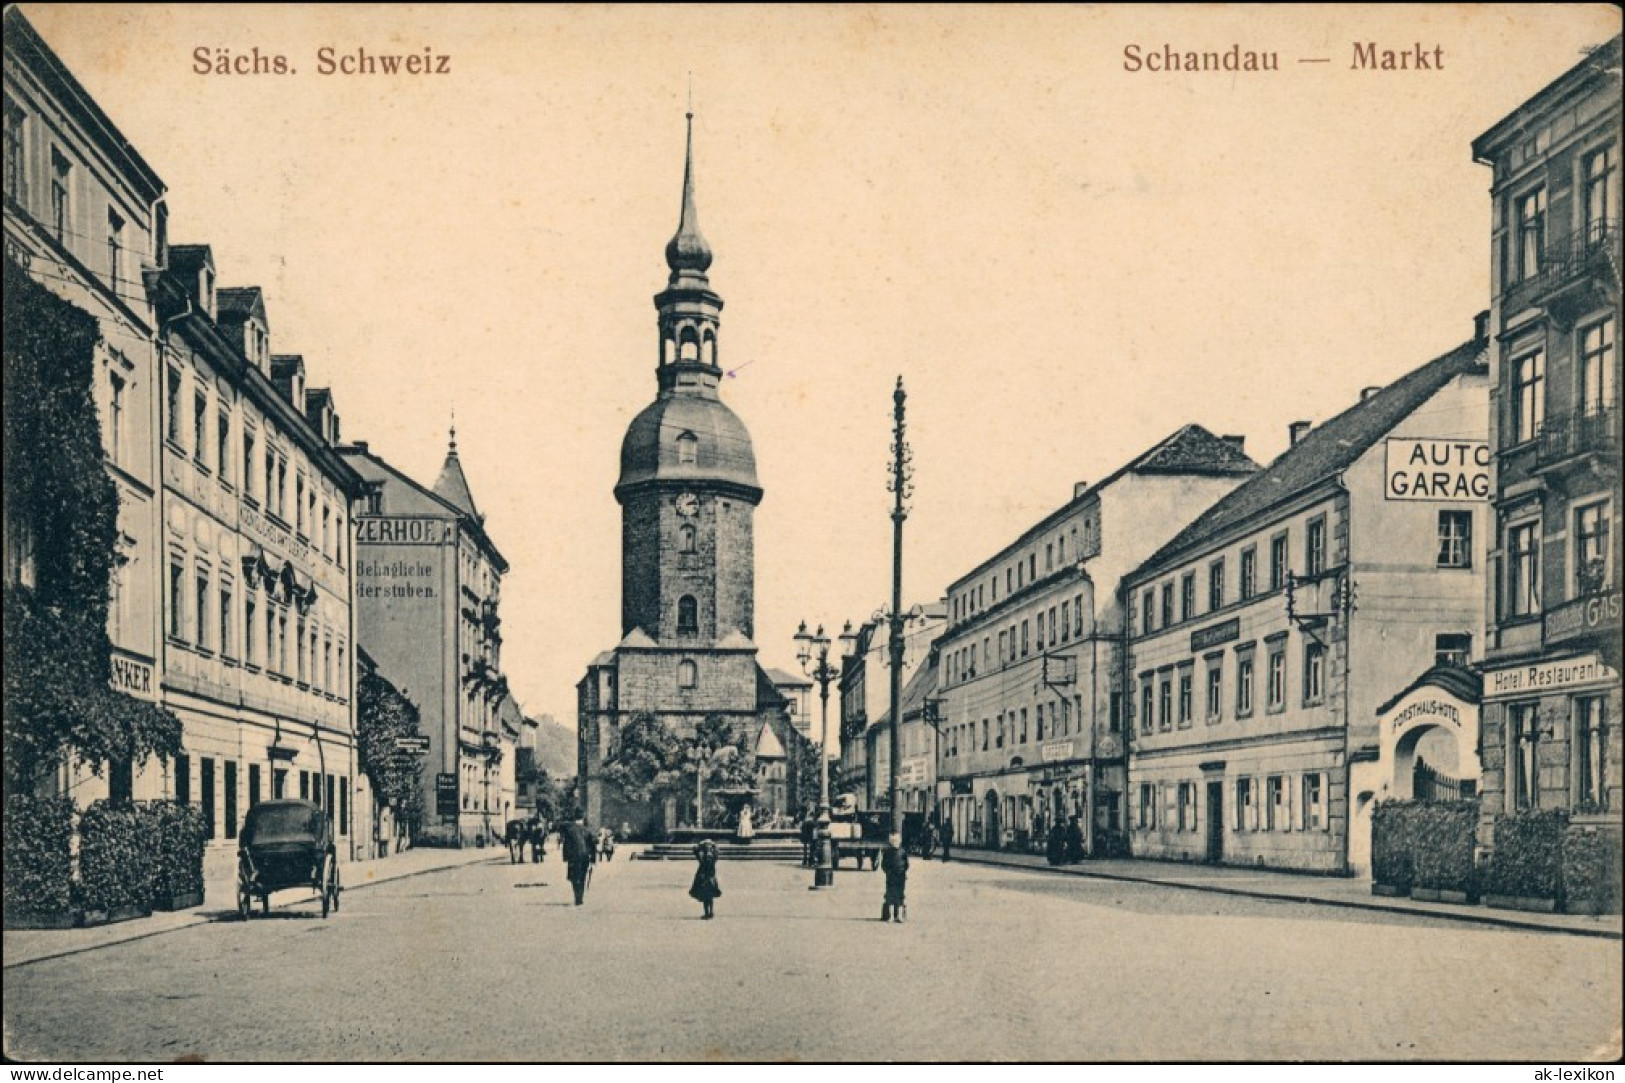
(721, 751)
(646, 761)
(62, 509)
(384, 713)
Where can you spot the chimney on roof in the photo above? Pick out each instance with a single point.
(1297, 431)
(1481, 326)
(1367, 392)
(1079, 488)
(1236, 441)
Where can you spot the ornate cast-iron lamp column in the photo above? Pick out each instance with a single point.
(815, 645)
(901, 486)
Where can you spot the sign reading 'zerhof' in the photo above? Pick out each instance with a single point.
(1457, 470)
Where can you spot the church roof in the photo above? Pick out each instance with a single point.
(720, 445)
(687, 250)
(768, 746)
(637, 638)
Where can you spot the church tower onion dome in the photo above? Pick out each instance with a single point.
(686, 438)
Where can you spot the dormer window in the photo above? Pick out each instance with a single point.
(205, 290)
(688, 446)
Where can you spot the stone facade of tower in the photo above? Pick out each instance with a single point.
(688, 493)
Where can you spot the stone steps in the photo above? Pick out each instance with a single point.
(726, 851)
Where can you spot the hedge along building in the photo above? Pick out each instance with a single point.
(1031, 698)
(428, 587)
(688, 493)
(1265, 635)
(85, 219)
(258, 658)
(1551, 735)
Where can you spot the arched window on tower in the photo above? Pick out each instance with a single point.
(708, 347)
(687, 674)
(688, 615)
(688, 447)
(688, 344)
(685, 539)
(668, 348)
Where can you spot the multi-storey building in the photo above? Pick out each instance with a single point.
(1030, 688)
(1551, 734)
(918, 743)
(85, 219)
(865, 696)
(257, 655)
(428, 587)
(1268, 634)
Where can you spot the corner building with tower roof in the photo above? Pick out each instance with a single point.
(688, 493)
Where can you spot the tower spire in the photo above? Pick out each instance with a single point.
(687, 250)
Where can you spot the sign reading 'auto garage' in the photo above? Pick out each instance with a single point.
(1437, 470)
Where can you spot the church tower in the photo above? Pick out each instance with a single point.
(687, 485)
(688, 494)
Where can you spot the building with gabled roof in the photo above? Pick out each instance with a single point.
(1265, 635)
(428, 592)
(1031, 699)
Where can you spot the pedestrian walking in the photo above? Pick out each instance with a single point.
(894, 862)
(705, 887)
(1074, 840)
(606, 844)
(809, 833)
(579, 851)
(947, 836)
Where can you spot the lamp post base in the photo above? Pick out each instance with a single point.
(824, 870)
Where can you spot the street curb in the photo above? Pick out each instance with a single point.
(198, 919)
(1313, 900)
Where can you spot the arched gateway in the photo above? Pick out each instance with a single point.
(1426, 750)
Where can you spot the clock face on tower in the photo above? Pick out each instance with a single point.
(687, 504)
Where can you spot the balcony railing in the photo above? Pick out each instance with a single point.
(1590, 251)
(1577, 434)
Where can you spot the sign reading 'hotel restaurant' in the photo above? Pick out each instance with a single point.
(1546, 677)
(1455, 470)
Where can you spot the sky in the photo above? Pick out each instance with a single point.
(1065, 260)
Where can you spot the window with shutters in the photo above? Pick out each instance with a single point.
(1312, 809)
(1148, 807)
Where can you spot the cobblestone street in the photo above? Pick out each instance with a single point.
(490, 961)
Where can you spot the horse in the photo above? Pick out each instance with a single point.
(514, 836)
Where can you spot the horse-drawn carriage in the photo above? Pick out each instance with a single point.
(285, 844)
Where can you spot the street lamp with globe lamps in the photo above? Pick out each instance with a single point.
(811, 646)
